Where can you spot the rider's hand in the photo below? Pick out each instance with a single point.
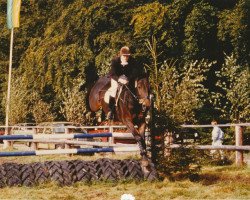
(123, 80)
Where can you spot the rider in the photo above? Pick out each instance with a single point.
(124, 70)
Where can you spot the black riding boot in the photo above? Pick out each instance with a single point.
(111, 112)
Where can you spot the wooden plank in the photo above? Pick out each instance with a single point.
(173, 146)
(75, 142)
(209, 126)
(122, 135)
(210, 147)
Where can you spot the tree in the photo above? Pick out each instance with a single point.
(234, 99)
(200, 32)
(18, 109)
(234, 30)
(74, 106)
(60, 41)
(42, 112)
(178, 93)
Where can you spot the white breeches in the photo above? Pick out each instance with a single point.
(217, 143)
(111, 92)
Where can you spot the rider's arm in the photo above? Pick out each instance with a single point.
(114, 72)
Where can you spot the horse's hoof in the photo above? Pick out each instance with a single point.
(145, 170)
(144, 162)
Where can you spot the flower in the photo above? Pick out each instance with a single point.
(127, 197)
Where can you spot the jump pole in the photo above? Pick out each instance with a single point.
(69, 151)
(53, 136)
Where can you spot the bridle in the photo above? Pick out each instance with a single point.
(141, 101)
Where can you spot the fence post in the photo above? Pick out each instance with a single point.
(111, 139)
(34, 145)
(238, 142)
(67, 146)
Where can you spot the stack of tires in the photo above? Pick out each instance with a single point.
(71, 171)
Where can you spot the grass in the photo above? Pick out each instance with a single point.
(216, 182)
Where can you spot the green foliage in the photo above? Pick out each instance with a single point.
(233, 30)
(42, 112)
(154, 78)
(182, 160)
(149, 20)
(74, 105)
(200, 32)
(178, 93)
(18, 105)
(183, 92)
(234, 99)
(62, 41)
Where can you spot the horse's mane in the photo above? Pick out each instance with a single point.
(143, 75)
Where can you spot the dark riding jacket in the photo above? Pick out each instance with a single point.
(132, 71)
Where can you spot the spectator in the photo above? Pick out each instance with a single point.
(217, 139)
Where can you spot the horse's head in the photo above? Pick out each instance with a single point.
(142, 89)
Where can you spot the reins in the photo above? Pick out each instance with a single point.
(132, 93)
(136, 98)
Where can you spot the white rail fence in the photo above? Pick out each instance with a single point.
(57, 139)
(116, 134)
(238, 147)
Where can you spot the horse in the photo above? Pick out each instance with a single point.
(132, 103)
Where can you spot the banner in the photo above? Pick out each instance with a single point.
(13, 13)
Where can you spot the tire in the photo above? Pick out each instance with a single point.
(41, 172)
(106, 170)
(69, 173)
(2, 177)
(55, 172)
(94, 170)
(124, 172)
(152, 175)
(121, 169)
(27, 175)
(12, 174)
(82, 171)
(134, 170)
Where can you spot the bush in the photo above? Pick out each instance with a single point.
(183, 161)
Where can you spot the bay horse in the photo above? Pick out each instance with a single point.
(132, 102)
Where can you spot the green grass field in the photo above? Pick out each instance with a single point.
(216, 182)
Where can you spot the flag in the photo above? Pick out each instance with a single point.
(13, 13)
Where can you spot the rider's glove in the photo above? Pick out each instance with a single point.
(123, 80)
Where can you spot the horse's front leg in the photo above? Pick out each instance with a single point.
(139, 137)
(141, 130)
